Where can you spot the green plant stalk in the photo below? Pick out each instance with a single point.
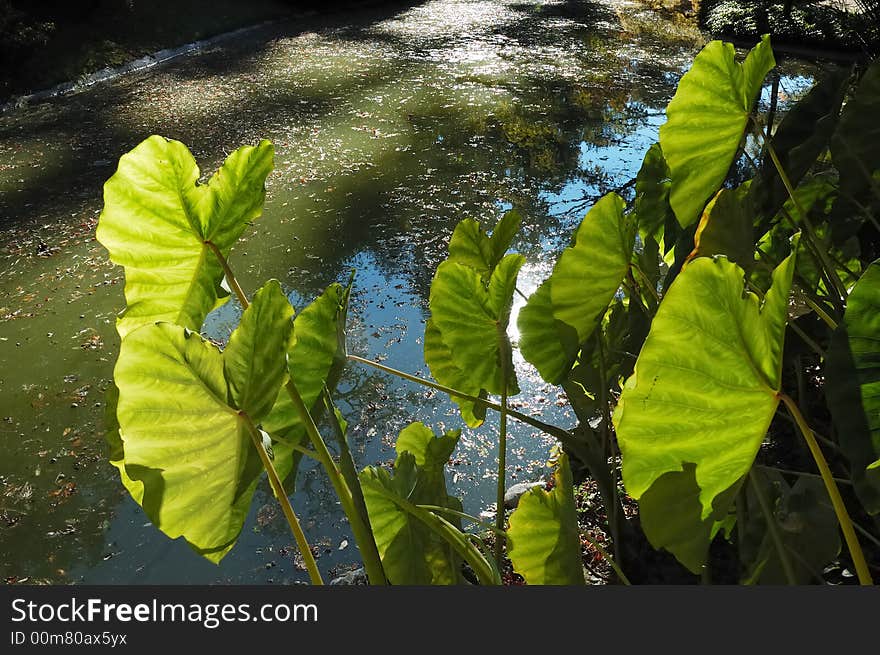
(230, 275)
(284, 501)
(815, 347)
(874, 540)
(349, 472)
(646, 282)
(604, 553)
(815, 252)
(846, 525)
(773, 529)
(830, 322)
(502, 450)
(463, 515)
(554, 431)
(801, 474)
(362, 535)
(741, 509)
(812, 303)
(811, 233)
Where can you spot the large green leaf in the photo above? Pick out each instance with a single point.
(188, 456)
(403, 555)
(311, 357)
(544, 544)
(707, 380)
(472, 319)
(411, 552)
(706, 120)
(157, 219)
(856, 156)
(567, 307)
(853, 386)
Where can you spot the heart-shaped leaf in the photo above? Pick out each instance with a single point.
(472, 319)
(185, 412)
(544, 544)
(439, 359)
(707, 381)
(313, 351)
(157, 222)
(568, 305)
(706, 120)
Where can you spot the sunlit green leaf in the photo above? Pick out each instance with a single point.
(438, 357)
(157, 219)
(472, 319)
(544, 544)
(671, 514)
(706, 120)
(567, 307)
(189, 458)
(255, 359)
(311, 356)
(706, 382)
(401, 524)
(853, 386)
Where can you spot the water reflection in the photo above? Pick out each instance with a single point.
(388, 130)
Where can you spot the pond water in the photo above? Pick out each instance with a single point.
(390, 125)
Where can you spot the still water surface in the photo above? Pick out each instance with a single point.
(390, 125)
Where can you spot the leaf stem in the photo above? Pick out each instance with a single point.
(852, 541)
(811, 233)
(607, 450)
(646, 282)
(369, 550)
(802, 474)
(284, 501)
(467, 517)
(830, 322)
(362, 534)
(230, 275)
(773, 529)
(561, 434)
(815, 347)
